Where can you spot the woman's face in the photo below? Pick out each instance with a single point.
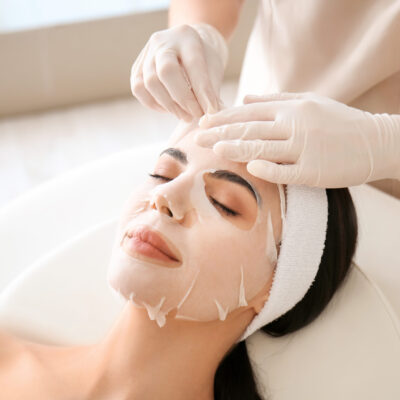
(220, 225)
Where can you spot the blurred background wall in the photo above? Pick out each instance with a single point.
(81, 61)
(64, 84)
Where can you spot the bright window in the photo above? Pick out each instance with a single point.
(27, 14)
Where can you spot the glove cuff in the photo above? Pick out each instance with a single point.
(386, 146)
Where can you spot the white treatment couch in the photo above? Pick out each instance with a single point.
(55, 242)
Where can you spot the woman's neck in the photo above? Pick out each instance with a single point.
(172, 362)
(140, 360)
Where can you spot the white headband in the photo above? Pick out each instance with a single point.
(302, 245)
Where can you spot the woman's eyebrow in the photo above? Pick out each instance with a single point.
(176, 153)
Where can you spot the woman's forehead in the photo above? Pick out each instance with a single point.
(203, 157)
(200, 156)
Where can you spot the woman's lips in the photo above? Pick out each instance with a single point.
(151, 244)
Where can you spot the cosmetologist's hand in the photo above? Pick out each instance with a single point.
(180, 70)
(303, 138)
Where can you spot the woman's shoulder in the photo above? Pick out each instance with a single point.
(10, 346)
(15, 356)
(18, 364)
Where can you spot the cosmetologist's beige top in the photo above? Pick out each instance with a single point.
(348, 50)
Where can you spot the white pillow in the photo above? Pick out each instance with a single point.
(352, 351)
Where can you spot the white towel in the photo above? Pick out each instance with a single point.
(303, 242)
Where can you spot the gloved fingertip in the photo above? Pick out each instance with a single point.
(205, 139)
(203, 121)
(195, 109)
(250, 98)
(214, 104)
(227, 149)
(259, 168)
(219, 149)
(252, 166)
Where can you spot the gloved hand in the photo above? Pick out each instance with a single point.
(180, 70)
(305, 139)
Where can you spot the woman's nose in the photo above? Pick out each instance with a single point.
(178, 209)
(161, 204)
(173, 199)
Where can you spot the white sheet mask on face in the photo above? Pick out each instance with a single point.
(272, 253)
(223, 266)
(242, 294)
(282, 198)
(271, 246)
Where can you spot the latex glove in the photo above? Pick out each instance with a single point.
(180, 70)
(306, 139)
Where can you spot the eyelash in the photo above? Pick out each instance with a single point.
(164, 178)
(224, 209)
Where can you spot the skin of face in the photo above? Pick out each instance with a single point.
(223, 257)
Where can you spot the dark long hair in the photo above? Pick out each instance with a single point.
(234, 378)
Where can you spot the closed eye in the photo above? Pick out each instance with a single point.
(223, 208)
(163, 178)
(217, 204)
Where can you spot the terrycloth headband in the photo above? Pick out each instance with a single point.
(302, 245)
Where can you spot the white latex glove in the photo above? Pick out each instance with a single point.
(180, 70)
(306, 139)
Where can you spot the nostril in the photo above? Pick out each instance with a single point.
(167, 210)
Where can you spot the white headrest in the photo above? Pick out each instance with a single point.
(351, 351)
(353, 343)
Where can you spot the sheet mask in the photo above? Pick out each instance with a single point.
(242, 294)
(282, 199)
(223, 266)
(271, 251)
